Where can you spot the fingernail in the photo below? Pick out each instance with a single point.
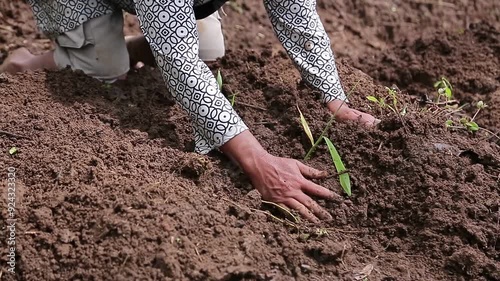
(376, 122)
(334, 196)
(326, 216)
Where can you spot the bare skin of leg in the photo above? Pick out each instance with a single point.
(22, 60)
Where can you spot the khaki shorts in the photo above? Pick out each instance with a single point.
(98, 46)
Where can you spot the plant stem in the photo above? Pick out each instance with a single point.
(474, 117)
(329, 124)
(490, 132)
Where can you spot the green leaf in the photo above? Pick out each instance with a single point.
(447, 92)
(472, 126)
(344, 178)
(437, 84)
(448, 123)
(219, 79)
(233, 97)
(13, 150)
(305, 126)
(372, 98)
(382, 102)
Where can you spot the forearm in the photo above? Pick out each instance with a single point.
(174, 46)
(244, 150)
(301, 33)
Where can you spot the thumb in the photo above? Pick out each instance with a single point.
(310, 172)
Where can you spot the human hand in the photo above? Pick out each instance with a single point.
(345, 113)
(280, 180)
(285, 181)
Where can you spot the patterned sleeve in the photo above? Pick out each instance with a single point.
(298, 27)
(170, 29)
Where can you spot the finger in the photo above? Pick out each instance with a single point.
(364, 118)
(311, 188)
(312, 206)
(303, 210)
(310, 172)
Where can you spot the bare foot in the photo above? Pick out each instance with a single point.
(17, 61)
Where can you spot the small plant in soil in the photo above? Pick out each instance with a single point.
(393, 104)
(344, 178)
(345, 181)
(444, 89)
(466, 122)
(219, 83)
(218, 78)
(233, 99)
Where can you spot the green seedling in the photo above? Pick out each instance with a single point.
(381, 102)
(344, 178)
(219, 79)
(466, 122)
(307, 130)
(13, 150)
(480, 105)
(470, 125)
(337, 161)
(345, 181)
(448, 123)
(233, 99)
(328, 124)
(444, 89)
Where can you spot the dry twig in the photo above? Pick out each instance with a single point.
(9, 134)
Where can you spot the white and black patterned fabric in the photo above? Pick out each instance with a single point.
(170, 28)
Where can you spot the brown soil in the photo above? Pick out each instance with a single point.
(471, 61)
(108, 190)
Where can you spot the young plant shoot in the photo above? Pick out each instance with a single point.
(444, 89)
(392, 94)
(219, 79)
(307, 130)
(466, 122)
(219, 83)
(345, 180)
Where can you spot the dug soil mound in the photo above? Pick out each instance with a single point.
(470, 60)
(107, 187)
(108, 190)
